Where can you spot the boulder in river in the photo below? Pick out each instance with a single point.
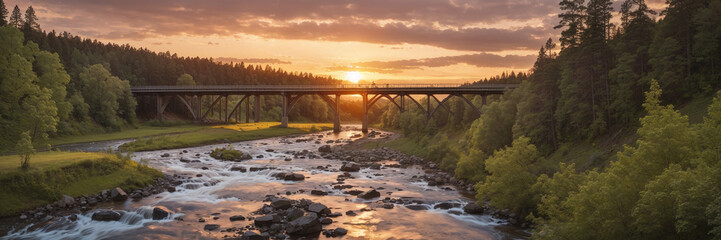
(266, 221)
(250, 235)
(294, 177)
(304, 225)
(281, 203)
(318, 192)
(237, 218)
(339, 232)
(369, 194)
(473, 208)
(417, 207)
(324, 149)
(106, 215)
(160, 212)
(66, 201)
(318, 208)
(211, 227)
(118, 194)
(350, 167)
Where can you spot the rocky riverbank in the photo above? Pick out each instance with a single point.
(69, 207)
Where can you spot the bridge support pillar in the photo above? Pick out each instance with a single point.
(284, 120)
(256, 108)
(159, 107)
(199, 115)
(336, 118)
(483, 99)
(247, 110)
(403, 103)
(364, 125)
(428, 106)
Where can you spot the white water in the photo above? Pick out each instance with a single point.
(228, 193)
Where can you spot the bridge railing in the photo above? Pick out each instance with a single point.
(320, 87)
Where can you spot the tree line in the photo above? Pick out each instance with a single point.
(55, 84)
(606, 82)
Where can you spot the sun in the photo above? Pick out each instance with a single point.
(353, 76)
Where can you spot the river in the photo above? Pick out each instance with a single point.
(214, 191)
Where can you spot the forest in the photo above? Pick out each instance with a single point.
(591, 145)
(57, 84)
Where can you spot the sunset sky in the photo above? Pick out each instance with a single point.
(416, 41)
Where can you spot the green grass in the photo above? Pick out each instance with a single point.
(220, 134)
(53, 174)
(141, 131)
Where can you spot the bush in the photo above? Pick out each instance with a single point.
(229, 154)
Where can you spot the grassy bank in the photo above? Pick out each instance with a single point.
(143, 130)
(222, 133)
(53, 174)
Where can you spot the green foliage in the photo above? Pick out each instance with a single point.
(25, 149)
(226, 154)
(511, 176)
(16, 19)
(110, 100)
(31, 20)
(3, 14)
(185, 80)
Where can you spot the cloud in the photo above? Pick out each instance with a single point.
(251, 60)
(478, 60)
(449, 24)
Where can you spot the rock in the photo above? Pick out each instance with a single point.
(388, 206)
(350, 167)
(266, 221)
(304, 225)
(339, 232)
(288, 159)
(211, 227)
(324, 149)
(294, 213)
(294, 177)
(281, 203)
(325, 221)
(237, 218)
(118, 194)
(350, 213)
(239, 169)
(160, 212)
(106, 215)
(353, 192)
(66, 201)
(169, 189)
(23, 217)
(369, 194)
(417, 207)
(73, 217)
(444, 206)
(250, 235)
(473, 208)
(318, 208)
(202, 220)
(318, 193)
(165, 155)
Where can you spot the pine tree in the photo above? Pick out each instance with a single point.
(3, 14)
(31, 20)
(16, 19)
(572, 20)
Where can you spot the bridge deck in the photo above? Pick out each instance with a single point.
(324, 89)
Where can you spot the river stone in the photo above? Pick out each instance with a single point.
(339, 232)
(350, 167)
(369, 194)
(304, 225)
(324, 149)
(66, 201)
(160, 212)
(294, 213)
(250, 235)
(473, 208)
(444, 206)
(318, 208)
(211, 227)
(294, 177)
(325, 221)
(417, 207)
(281, 203)
(118, 194)
(266, 221)
(318, 193)
(106, 215)
(237, 218)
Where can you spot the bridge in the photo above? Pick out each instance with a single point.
(191, 97)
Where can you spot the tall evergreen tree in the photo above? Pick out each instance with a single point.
(16, 19)
(3, 14)
(572, 21)
(31, 20)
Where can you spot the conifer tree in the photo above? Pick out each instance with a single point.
(16, 19)
(31, 20)
(3, 14)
